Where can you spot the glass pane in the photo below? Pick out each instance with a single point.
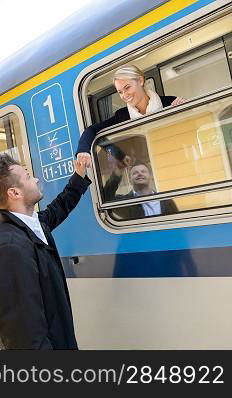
(108, 105)
(10, 137)
(192, 76)
(188, 149)
(186, 203)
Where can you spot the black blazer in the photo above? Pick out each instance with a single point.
(129, 212)
(121, 115)
(35, 309)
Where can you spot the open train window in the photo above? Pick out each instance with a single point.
(183, 66)
(189, 75)
(179, 161)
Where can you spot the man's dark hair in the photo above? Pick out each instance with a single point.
(7, 178)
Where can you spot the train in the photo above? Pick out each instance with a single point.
(152, 282)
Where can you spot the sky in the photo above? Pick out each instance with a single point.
(23, 21)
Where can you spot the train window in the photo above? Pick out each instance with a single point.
(184, 65)
(10, 137)
(194, 74)
(189, 76)
(13, 136)
(177, 163)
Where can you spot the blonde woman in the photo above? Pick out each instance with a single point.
(130, 84)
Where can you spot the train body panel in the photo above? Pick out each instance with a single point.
(157, 314)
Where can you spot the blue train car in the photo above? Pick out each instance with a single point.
(136, 282)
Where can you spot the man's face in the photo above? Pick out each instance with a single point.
(140, 176)
(28, 186)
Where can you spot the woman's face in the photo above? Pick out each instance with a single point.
(131, 91)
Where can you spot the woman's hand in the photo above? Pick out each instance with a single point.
(178, 101)
(120, 165)
(127, 161)
(85, 158)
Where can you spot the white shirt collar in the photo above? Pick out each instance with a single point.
(151, 207)
(137, 194)
(33, 223)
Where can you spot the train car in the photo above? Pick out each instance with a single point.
(136, 282)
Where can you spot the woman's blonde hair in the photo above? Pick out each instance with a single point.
(128, 72)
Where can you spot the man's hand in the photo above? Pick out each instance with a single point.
(84, 157)
(80, 168)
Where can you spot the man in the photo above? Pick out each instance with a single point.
(35, 309)
(141, 181)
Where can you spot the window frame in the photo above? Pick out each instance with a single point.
(6, 110)
(104, 206)
(227, 39)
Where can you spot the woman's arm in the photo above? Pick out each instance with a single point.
(89, 134)
(86, 140)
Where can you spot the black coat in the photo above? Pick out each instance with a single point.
(167, 206)
(121, 115)
(35, 309)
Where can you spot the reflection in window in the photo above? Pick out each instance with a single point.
(225, 116)
(142, 183)
(186, 203)
(185, 150)
(110, 158)
(10, 137)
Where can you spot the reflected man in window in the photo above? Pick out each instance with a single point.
(142, 184)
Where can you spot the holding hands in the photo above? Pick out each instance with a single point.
(84, 161)
(80, 168)
(84, 157)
